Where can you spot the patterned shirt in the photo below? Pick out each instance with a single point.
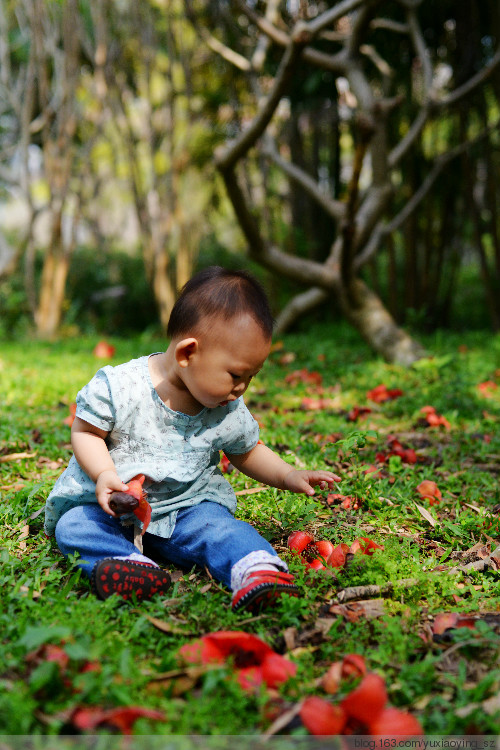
(178, 453)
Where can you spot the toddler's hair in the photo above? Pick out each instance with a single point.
(217, 292)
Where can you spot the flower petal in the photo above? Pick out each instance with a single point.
(321, 717)
(392, 721)
(367, 701)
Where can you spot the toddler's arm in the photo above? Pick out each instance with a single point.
(92, 454)
(262, 464)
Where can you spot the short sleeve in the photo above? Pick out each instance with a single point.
(94, 403)
(243, 434)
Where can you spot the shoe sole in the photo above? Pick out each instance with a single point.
(128, 579)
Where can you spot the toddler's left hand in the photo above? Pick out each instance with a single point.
(305, 481)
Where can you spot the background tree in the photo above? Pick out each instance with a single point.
(388, 120)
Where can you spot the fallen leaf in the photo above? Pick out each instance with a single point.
(425, 513)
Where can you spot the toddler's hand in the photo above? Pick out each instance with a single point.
(107, 482)
(305, 481)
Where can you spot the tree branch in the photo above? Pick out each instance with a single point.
(469, 86)
(305, 271)
(226, 157)
(335, 209)
(333, 63)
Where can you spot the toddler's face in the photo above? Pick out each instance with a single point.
(228, 357)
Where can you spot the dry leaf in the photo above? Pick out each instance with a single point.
(167, 627)
(425, 513)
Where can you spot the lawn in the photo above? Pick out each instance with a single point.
(64, 651)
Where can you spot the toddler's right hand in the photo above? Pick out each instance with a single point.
(107, 482)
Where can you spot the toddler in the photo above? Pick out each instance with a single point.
(168, 415)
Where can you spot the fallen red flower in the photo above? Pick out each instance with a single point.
(381, 393)
(434, 419)
(122, 719)
(254, 661)
(316, 404)
(347, 501)
(304, 376)
(316, 553)
(429, 491)
(103, 350)
(367, 701)
(357, 412)
(486, 389)
(363, 710)
(321, 717)
(446, 620)
(352, 665)
(392, 721)
(365, 546)
(72, 414)
(407, 455)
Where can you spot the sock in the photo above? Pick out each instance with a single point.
(136, 557)
(259, 566)
(258, 560)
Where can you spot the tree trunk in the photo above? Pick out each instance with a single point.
(378, 327)
(53, 285)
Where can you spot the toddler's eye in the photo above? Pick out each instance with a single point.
(234, 377)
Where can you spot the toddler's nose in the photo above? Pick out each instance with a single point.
(240, 388)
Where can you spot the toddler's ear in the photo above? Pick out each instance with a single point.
(185, 350)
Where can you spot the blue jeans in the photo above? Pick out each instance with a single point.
(206, 535)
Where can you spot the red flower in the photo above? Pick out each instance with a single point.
(434, 419)
(143, 510)
(347, 501)
(365, 546)
(254, 661)
(103, 350)
(430, 491)
(381, 393)
(338, 556)
(352, 665)
(357, 412)
(72, 414)
(321, 717)
(225, 463)
(363, 710)
(367, 701)
(298, 541)
(315, 553)
(122, 719)
(392, 721)
(304, 376)
(407, 455)
(486, 389)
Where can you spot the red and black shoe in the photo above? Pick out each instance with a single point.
(263, 587)
(127, 579)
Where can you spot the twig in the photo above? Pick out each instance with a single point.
(15, 457)
(492, 561)
(251, 491)
(365, 592)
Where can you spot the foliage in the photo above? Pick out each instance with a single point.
(52, 662)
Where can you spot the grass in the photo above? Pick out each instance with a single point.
(445, 682)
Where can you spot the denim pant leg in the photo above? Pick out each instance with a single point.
(209, 535)
(87, 529)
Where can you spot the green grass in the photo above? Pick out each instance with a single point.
(443, 683)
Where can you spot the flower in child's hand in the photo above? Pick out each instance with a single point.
(132, 500)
